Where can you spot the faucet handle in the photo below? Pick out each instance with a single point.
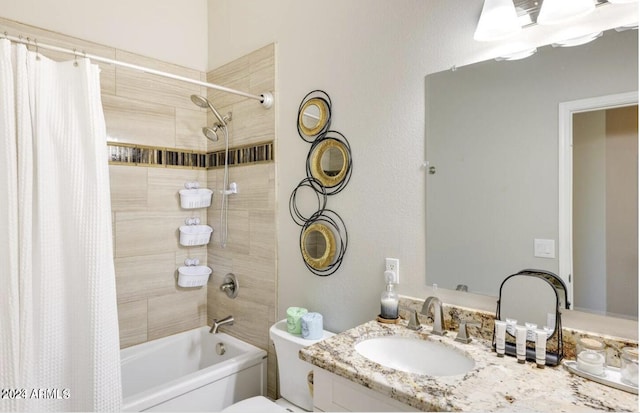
(414, 323)
(463, 335)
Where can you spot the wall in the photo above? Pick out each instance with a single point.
(167, 30)
(250, 252)
(145, 110)
(371, 56)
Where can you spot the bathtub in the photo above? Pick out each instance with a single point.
(185, 372)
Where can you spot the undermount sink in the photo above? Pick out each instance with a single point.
(413, 355)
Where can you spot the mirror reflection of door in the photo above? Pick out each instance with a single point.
(605, 211)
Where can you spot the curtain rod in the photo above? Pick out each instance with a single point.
(266, 99)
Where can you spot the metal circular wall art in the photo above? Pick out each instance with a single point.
(314, 115)
(323, 237)
(320, 193)
(329, 161)
(323, 242)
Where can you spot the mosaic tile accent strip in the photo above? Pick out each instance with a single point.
(139, 155)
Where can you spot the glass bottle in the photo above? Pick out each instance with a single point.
(389, 303)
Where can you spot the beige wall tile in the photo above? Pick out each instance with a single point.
(143, 123)
(253, 123)
(256, 187)
(128, 187)
(164, 187)
(132, 320)
(251, 319)
(272, 373)
(235, 73)
(193, 252)
(262, 242)
(189, 124)
(238, 241)
(142, 277)
(262, 77)
(250, 253)
(180, 311)
(256, 277)
(147, 233)
(138, 85)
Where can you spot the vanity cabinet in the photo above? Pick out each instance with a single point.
(332, 393)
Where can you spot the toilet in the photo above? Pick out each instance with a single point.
(293, 372)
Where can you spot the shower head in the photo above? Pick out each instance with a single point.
(204, 103)
(210, 133)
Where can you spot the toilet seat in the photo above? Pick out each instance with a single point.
(255, 404)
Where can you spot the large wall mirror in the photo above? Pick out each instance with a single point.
(492, 143)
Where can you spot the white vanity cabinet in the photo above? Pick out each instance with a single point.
(332, 393)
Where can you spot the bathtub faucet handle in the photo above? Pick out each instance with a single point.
(217, 323)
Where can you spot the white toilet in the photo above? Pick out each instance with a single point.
(293, 372)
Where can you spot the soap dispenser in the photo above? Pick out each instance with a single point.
(389, 298)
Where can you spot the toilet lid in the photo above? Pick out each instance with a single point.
(255, 404)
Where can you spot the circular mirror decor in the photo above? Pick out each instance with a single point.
(314, 115)
(323, 242)
(329, 162)
(318, 246)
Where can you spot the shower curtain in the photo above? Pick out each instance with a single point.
(59, 344)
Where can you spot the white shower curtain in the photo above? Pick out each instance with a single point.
(59, 343)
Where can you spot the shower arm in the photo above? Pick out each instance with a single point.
(266, 99)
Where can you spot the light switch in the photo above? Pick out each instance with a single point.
(544, 248)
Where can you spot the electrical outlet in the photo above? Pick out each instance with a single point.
(393, 264)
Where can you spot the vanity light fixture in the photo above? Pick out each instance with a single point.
(577, 41)
(498, 20)
(560, 11)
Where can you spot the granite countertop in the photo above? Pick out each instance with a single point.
(495, 384)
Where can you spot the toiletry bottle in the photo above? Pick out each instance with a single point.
(521, 343)
(541, 347)
(501, 329)
(389, 299)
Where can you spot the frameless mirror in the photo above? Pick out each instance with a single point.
(318, 246)
(492, 141)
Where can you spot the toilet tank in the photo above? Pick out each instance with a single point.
(292, 371)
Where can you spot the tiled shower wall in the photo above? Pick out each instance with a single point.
(251, 249)
(146, 110)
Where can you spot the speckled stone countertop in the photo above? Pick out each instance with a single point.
(495, 384)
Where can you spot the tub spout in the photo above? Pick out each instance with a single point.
(217, 323)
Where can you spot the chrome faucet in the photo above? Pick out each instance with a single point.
(217, 323)
(438, 320)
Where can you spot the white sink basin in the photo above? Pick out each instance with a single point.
(413, 355)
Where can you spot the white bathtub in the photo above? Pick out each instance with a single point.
(183, 372)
